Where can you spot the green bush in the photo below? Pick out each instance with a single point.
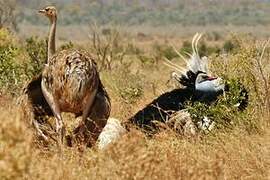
(165, 51)
(248, 62)
(225, 111)
(66, 46)
(131, 94)
(36, 50)
(231, 45)
(19, 63)
(228, 46)
(11, 73)
(127, 86)
(146, 60)
(130, 86)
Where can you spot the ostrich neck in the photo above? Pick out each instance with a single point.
(51, 41)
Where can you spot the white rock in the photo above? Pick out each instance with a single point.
(110, 133)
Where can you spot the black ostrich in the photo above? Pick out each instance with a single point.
(197, 84)
(166, 104)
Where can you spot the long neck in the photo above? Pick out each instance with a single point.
(51, 41)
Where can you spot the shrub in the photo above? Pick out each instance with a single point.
(249, 64)
(126, 85)
(227, 110)
(108, 49)
(68, 45)
(165, 51)
(36, 50)
(11, 74)
(146, 60)
(131, 87)
(228, 46)
(5, 38)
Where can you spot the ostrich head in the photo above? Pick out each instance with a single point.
(50, 12)
(207, 88)
(196, 75)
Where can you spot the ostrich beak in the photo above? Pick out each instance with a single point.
(42, 11)
(211, 78)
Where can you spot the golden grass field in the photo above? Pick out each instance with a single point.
(226, 155)
(240, 152)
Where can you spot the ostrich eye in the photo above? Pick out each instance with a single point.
(47, 9)
(205, 77)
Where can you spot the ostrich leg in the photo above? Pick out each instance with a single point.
(82, 130)
(39, 131)
(56, 111)
(96, 119)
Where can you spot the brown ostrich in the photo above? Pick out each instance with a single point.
(69, 82)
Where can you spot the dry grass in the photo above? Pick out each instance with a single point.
(225, 155)
(242, 152)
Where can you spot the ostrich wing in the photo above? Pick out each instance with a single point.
(36, 99)
(160, 109)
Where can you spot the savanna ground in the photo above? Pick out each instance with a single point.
(133, 72)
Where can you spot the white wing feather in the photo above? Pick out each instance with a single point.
(195, 63)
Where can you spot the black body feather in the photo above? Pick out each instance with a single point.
(161, 108)
(36, 99)
(166, 104)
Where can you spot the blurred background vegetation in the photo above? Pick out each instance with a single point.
(137, 12)
(129, 40)
(132, 36)
(153, 12)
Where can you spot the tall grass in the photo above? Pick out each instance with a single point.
(231, 155)
(242, 152)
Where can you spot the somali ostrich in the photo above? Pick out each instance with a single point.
(198, 86)
(69, 82)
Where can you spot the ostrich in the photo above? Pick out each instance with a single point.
(199, 86)
(69, 82)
